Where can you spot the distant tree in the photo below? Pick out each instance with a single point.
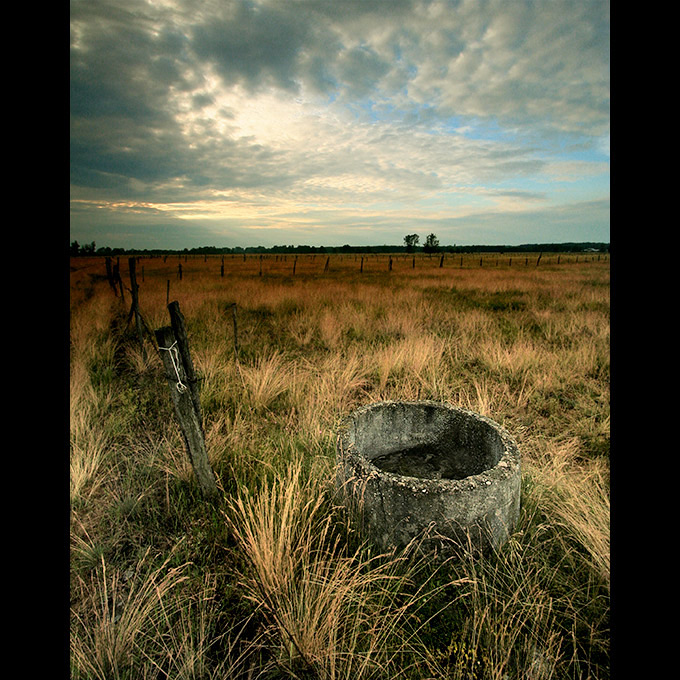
(411, 241)
(89, 248)
(431, 244)
(74, 250)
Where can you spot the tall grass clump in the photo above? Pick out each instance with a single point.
(121, 616)
(328, 611)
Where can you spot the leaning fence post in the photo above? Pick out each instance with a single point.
(178, 327)
(187, 416)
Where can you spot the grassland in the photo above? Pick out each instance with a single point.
(271, 580)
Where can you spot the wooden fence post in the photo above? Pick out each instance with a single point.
(236, 361)
(117, 279)
(140, 323)
(179, 329)
(187, 416)
(109, 275)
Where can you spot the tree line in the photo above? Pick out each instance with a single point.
(410, 245)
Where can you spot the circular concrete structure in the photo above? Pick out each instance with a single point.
(431, 471)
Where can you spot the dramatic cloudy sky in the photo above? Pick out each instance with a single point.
(325, 122)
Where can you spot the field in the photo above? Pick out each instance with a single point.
(271, 580)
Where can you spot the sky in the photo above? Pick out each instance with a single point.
(329, 122)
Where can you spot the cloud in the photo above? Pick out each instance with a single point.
(251, 44)
(368, 103)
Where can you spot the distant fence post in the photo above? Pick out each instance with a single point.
(233, 314)
(188, 416)
(236, 360)
(140, 323)
(109, 275)
(117, 280)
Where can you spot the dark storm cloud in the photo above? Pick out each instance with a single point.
(251, 44)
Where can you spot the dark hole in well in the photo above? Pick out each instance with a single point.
(427, 461)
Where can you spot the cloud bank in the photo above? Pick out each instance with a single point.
(266, 122)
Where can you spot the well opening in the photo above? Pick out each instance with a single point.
(428, 465)
(424, 440)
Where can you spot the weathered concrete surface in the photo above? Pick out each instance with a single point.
(432, 471)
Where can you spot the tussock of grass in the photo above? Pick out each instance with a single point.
(327, 610)
(122, 614)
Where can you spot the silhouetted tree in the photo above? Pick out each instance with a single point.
(411, 241)
(431, 244)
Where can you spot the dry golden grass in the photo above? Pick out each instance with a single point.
(273, 582)
(330, 612)
(122, 614)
